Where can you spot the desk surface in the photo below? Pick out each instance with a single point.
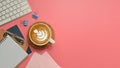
(87, 31)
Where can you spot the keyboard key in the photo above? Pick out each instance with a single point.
(5, 21)
(11, 0)
(13, 17)
(3, 12)
(1, 0)
(4, 3)
(10, 9)
(4, 7)
(6, 11)
(11, 14)
(11, 4)
(19, 1)
(18, 5)
(0, 9)
(25, 7)
(14, 7)
(15, 2)
(3, 17)
(7, 5)
(18, 10)
(23, 3)
(8, 1)
(17, 15)
(21, 13)
(7, 15)
(15, 12)
(0, 5)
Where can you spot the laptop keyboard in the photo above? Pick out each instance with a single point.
(13, 9)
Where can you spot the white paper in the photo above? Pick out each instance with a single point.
(11, 54)
(42, 61)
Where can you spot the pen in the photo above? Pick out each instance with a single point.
(18, 39)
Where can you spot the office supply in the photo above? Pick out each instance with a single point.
(11, 54)
(12, 9)
(15, 30)
(35, 16)
(42, 61)
(25, 22)
(16, 38)
(22, 43)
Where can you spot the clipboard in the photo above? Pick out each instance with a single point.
(21, 42)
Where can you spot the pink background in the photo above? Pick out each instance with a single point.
(87, 31)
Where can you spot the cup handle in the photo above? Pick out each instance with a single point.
(52, 41)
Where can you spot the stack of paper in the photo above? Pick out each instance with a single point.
(15, 30)
(42, 61)
(11, 54)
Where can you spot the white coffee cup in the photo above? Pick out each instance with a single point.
(41, 34)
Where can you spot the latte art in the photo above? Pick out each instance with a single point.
(41, 35)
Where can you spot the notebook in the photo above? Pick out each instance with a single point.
(42, 61)
(15, 30)
(11, 54)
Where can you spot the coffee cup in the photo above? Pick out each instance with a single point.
(40, 34)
